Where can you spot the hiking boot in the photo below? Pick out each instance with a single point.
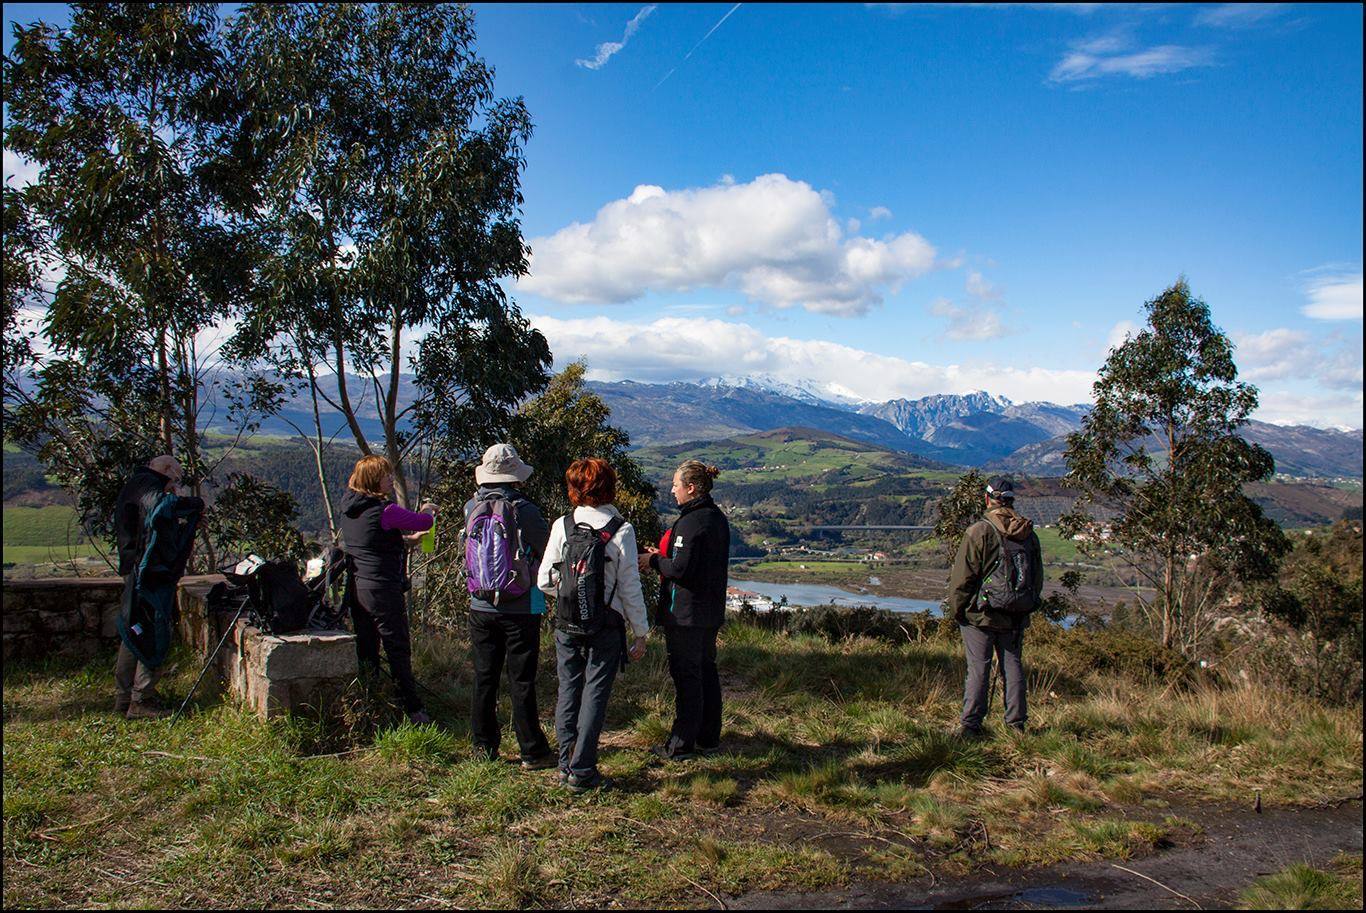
(542, 762)
(420, 718)
(708, 750)
(564, 777)
(121, 702)
(484, 753)
(971, 734)
(587, 784)
(664, 753)
(1017, 728)
(149, 708)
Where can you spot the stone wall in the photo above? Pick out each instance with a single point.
(77, 617)
(273, 675)
(68, 616)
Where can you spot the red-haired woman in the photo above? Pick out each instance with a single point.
(588, 662)
(373, 528)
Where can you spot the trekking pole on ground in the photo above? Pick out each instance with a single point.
(232, 626)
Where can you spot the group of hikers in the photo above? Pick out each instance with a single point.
(591, 563)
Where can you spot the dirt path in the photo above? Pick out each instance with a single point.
(1237, 846)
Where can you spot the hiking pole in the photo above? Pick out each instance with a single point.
(232, 626)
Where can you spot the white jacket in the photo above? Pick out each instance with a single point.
(622, 574)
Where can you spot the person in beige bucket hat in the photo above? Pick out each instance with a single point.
(502, 464)
(505, 607)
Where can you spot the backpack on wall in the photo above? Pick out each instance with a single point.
(1010, 586)
(582, 605)
(496, 566)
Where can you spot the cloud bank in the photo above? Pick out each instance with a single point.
(1112, 56)
(691, 349)
(1334, 297)
(774, 239)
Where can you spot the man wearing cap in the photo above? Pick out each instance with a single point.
(510, 631)
(998, 553)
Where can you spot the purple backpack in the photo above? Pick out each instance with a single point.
(495, 563)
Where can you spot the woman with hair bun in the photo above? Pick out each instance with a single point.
(693, 562)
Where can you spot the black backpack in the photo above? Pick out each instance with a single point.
(582, 606)
(1009, 586)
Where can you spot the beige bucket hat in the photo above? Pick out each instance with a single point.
(502, 464)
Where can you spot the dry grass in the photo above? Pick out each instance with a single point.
(851, 739)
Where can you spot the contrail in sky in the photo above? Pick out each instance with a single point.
(699, 44)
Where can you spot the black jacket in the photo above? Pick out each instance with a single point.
(138, 496)
(378, 555)
(535, 533)
(693, 574)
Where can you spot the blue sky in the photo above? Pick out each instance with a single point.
(894, 201)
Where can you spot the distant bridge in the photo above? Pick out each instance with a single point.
(923, 529)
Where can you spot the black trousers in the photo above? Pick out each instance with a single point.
(514, 640)
(380, 616)
(697, 688)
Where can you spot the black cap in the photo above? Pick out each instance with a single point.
(1000, 489)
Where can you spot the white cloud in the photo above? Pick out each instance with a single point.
(1334, 297)
(879, 212)
(1274, 355)
(671, 349)
(1121, 332)
(967, 322)
(1109, 56)
(1285, 408)
(773, 238)
(19, 170)
(1237, 15)
(608, 48)
(979, 287)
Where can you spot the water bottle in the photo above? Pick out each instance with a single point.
(429, 539)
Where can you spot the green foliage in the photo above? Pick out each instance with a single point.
(1161, 448)
(1315, 641)
(959, 509)
(252, 516)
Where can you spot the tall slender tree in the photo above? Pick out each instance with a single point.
(120, 112)
(1161, 455)
(384, 186)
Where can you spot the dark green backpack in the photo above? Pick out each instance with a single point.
(1010, 586)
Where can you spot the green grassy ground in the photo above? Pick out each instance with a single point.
(837, 763)
(54, 524)
(1303, 887)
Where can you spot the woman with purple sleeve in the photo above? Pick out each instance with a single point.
(374, 530)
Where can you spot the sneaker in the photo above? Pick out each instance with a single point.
(420, 718)
(663, 753)
(971, 734)
(708, 750)
(542, 762)
(121, 702)
(1016, 727)
(564, 777)
(578, 785)
(483, 753)
(149, 708)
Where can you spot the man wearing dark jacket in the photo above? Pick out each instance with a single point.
(509, 632)
(136, 683)
(693, 568)
(988, 628)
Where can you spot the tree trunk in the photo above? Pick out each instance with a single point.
(344, 395)
(390, 411)
(318, 455)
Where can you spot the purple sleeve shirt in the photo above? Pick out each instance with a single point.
(408, 521)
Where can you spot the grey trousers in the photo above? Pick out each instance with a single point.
(587, 666)
(131, 678)
(979, 644)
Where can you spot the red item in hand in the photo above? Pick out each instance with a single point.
(664, 542)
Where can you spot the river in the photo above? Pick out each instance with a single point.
(814, 594)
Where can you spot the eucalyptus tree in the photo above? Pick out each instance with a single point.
(383, 183)
(120, 111)
(1160, 454)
